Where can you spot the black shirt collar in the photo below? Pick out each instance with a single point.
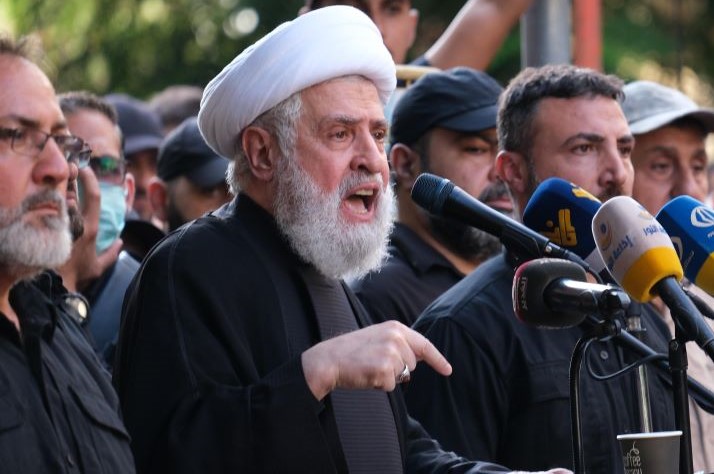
(33, 303)
(420, 255)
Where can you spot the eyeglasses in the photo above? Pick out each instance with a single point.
(109, 169)
(81, 159)
(31, 141)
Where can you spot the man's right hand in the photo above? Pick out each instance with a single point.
(84, 265)
(372, 357)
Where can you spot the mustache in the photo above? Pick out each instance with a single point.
(494, 191)
(610, 192)
(357, 178)
(46, 196)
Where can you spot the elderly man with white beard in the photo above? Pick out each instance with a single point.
(58, 411)
(242, 350)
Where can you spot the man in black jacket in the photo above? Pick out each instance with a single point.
(59, 412)
(508, 400)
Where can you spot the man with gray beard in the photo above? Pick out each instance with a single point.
(242, 350)
(59, 412)
(444, 124)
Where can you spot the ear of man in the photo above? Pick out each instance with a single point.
(406, 165)
(129, 190)
(261, 153)
(512, 168)
(158, 197)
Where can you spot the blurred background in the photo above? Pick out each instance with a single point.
(141, 46)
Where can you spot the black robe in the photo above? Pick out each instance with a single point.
(208, 368)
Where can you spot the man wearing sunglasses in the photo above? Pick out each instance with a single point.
(59, 412)
(95, 121)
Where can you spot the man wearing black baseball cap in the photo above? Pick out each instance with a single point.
(191, 177)
(142, 133)
(444, 124)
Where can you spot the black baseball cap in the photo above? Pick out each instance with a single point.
(459, 99)
(185, 153)
(140, 126)
(139, 235)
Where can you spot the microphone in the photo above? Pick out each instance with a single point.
(441, 197)
(563, 212)
(640, 255)
(690, 225)
(635, 247)
(555, 293)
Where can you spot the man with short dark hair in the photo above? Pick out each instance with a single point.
(508, 397)
(59, 411)
(444, 124)
(190, 177)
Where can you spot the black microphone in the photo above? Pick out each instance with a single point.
(555, 293)
(441, 197)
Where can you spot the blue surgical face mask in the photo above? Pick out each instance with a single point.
(111, 216)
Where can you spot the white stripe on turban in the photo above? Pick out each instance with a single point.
(323, 44)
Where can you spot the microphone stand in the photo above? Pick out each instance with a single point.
(703, 396)
(603, 330)
(634, 327)
(678, 369)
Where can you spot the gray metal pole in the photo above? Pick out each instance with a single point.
(545, 33)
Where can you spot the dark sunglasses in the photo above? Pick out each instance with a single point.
(108, 168)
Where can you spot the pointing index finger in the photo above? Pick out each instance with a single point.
(425, 351)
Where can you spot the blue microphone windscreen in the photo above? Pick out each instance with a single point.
(563, 212)
(690, 225)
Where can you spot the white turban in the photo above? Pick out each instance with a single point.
(323, 44)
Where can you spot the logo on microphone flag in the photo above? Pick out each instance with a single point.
(690, 224)
(702, 217)
(562, 212)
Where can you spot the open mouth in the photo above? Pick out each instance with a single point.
(362, 201)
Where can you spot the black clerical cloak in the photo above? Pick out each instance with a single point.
(208, 367)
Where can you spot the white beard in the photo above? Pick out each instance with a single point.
(316, 231)
(27, 249)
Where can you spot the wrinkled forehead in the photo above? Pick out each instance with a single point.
(27, 97)
(581, 113)
(353, 96)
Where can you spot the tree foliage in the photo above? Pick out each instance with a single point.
(141, 46)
